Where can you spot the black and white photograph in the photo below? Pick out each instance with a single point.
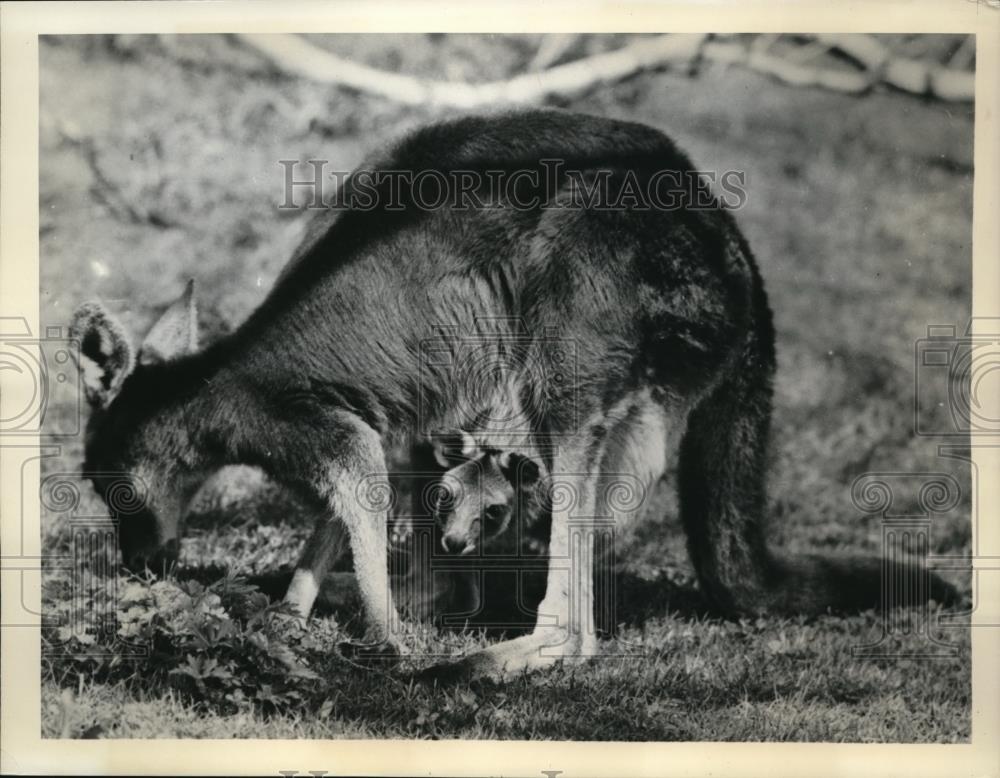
(470, 386)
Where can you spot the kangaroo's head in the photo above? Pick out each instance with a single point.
(137, 452)
(480, 490)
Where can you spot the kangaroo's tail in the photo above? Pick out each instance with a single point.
(817, 583)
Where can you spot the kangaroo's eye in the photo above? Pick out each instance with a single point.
(496, 513)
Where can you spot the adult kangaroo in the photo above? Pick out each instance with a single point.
(661, 308)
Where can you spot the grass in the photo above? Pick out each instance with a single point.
(859, 212)
(701, 681)
(671, 678)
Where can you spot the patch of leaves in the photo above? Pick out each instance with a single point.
(222, 645)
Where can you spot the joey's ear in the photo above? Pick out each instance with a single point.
(519, 469)
(453, 447)
(176, 332)
(106, 357)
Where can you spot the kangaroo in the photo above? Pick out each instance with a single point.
(468, 497)
(489, 503)
(486, 496)
(662, 311)
(490, 489)
(494, 502)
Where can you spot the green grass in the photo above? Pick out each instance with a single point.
(859, 212)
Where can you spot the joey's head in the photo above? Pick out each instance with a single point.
(136, 451)
(479, 492)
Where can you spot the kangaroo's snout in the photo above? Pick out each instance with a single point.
(147, 542)
(157, 560)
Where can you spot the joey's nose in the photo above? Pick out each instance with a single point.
(458, 544)
(452, 544)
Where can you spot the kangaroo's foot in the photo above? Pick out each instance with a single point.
(509, 658)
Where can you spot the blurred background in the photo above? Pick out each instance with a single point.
(160, 162)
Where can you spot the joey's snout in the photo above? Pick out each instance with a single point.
(459, 541)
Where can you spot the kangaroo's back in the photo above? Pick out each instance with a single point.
(524, 256)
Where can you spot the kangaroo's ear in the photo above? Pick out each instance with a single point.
(175, 334)
(453, 447)
(106, 356)
(519, 469)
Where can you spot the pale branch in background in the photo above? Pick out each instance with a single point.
(552, 48)
(964, 54)
(293, 54)
(908, 75)
(877, 65)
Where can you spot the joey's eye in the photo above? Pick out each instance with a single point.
(496, 513)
